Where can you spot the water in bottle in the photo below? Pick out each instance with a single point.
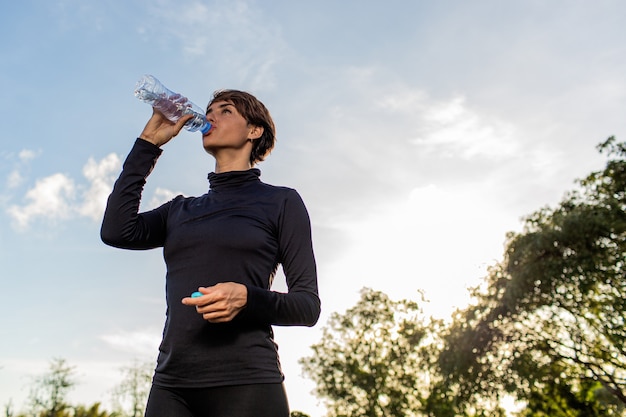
(172, 105)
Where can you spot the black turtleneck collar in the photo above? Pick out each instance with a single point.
(233, 179)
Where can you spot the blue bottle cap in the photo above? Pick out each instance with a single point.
(205, 129)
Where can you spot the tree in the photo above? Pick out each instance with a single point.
(550, 328)
(48, 396)
(93, 411)
(8, 409)
(374, 359)
(132, 392)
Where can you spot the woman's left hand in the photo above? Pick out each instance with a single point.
(219, 303)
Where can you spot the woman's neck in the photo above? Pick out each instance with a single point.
(222, 165)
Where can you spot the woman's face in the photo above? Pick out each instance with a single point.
(230, 130)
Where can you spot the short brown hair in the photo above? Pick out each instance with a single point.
(255, 114)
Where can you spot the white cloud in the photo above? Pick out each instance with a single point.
(54, 198)
(375, 140)
(407, 101)
(15, 179)
(49, 199)
(252, 51)
(58, 197)
(161, 195)
(26, 155)
(142, 343)
(402, 114)
(405, 114)
(101, 176)
(16, 176)
(452, 126)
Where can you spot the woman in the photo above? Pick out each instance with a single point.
(218, 357)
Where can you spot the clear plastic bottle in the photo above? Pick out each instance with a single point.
(172, 105)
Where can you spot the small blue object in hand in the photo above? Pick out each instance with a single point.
(196, 294)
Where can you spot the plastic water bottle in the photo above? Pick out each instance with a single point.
(172, 105)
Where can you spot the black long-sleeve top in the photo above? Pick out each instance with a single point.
(240, 231)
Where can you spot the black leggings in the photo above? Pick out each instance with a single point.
(255, 400)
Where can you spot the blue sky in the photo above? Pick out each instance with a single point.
(417, 132)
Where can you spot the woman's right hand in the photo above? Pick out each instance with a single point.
(159, 130)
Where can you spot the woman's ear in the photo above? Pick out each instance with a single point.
(255, 132)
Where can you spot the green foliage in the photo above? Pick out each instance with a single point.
(550, 328)
(131, 393)
(93, 411)
(48, 396)
(374, 359)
